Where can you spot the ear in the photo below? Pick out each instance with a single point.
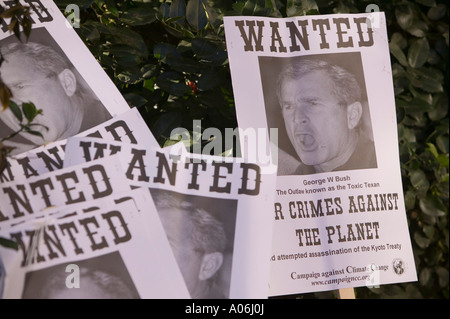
(211, 263)
(68, 81)
(354, 113)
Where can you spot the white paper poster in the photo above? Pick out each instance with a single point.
(56, 71)
(128, 127)
(21, 199)
(116, 251)
(215, 211)
(324, 85)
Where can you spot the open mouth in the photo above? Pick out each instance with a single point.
(306, 141)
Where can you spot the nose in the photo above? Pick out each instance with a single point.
(300, 116)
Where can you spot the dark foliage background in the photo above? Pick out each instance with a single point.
(169, 60)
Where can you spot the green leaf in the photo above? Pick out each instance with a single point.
(173, 83)
(142, 14)
(148, 71)
(166, 123)
(15, 109)
(427, 79)
(111, 8)
(437, 12)
(127, 76)
(35, 133)
(429, 231)
(177, 10)
(443, 144)
(410, 199)
(238, 7)
(203, 47)
(432, 149)
(127, 37)
(425, 276)
(134, 100)
(212, 15)
(418, 53)
(208, 79)
(301, 7)
(417, 105)
(399, 40)
(149, 84)
(431, 206)
(408, 20)
(30, 111)
(405, 16)
(255, 8)
(397, 52)
(164, 10)
(443, 276)
(419, 180)
(439, 107)
(163, 50)
(421, 241)
(444, 162)
(196, 14)
(8, 243)
(126, 56)
(418, 28)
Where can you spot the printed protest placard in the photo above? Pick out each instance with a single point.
(54, 70)
(215, 211)
(20, 199)
(117, 250)
(324, 85)
(128, 126)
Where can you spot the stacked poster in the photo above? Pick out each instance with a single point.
(325, 211)
(321, 86)
(54, 70)
(103, 249)
(214, 211)
(66, 213)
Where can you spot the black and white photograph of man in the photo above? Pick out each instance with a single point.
(102, 277)
(200, 231)
(319, 105)
(38, 71)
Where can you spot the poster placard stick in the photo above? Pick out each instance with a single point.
(346, 293)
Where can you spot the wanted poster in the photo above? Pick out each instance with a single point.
(20, 199)
(216, 212)
(128, 126)
(322, 88)
(118, 250)
(54, 70)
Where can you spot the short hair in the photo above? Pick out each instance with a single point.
(51, 63)
(346, 88)
(208, 235)
(112, 286)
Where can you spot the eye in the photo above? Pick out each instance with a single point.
(286, 107)
(313, 102)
